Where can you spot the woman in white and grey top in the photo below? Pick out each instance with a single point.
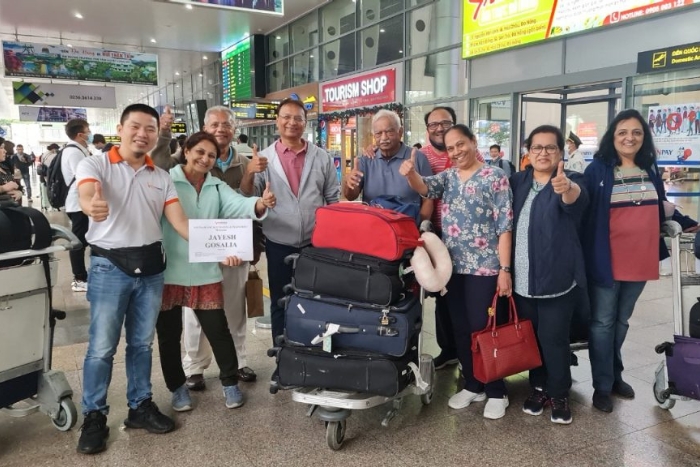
(548, 204)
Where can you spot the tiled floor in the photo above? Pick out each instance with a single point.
(272, 430)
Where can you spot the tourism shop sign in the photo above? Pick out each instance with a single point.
(34, 60)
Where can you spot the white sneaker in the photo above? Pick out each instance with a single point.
(495, 408)
(78, 286)
(463, 398)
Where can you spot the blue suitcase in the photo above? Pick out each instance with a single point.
(384, 330)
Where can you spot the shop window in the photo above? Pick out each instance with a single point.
(382, 43)
(305, 67)
(490, 122)
(338, 18)
(278, 76)
(435, 76)
(278, 44)
(372, 11)
(304, 32)
(338, 57)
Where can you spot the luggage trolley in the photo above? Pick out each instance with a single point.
(334, 406)
(677, 376)
(26, 339)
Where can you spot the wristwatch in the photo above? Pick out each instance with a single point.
(505, 268)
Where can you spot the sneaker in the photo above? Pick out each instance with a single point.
(534, 405)
(561, 413)
(78, 286)
(94, 433)
(182, 402)
(148, 417)
(496, 408)
(234, 396)
(441, 361)
(463, 398)
(246, 374)
(622, 389)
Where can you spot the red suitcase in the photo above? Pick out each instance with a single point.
(365, 230)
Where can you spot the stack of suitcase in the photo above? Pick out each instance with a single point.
(353, 321)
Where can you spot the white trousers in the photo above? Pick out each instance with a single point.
(198, 352)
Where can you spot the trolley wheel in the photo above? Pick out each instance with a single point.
(335, 434)
(67, 415)
(427, 398)
(665, 402)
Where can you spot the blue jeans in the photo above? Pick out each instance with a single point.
(611, 309)
(117, 299)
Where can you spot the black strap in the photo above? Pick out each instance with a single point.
(41, 227)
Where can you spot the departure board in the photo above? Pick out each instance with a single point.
(236, 70)
(254, 110)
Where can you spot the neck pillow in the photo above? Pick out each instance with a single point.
(431, 264)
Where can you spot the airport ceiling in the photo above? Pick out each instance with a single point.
(183, 37)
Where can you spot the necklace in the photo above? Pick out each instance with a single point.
(537, 186)
(642, 186)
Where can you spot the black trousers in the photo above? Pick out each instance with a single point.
(215, 327)
(279, 274)
(79, 226)
(551, 319)
(443, 328)
(469, 298)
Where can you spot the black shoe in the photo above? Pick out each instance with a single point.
(561, 413)
(246, 375)
(602, 401)
(442, 360)
(148, 417)
(534, 405)
(623, 389)
(195, 383)
(94, 433)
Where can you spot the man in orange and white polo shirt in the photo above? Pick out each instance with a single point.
(125, 196)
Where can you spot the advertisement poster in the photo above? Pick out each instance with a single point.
(274, 7)
(676, 130)
(26, 93)
(33, 60)
(489, 25)
(50, 114)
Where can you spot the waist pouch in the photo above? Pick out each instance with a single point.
(137, 261)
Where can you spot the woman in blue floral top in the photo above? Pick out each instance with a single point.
(477, 219)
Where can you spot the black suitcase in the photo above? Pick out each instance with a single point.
(384, 330)
(345, 370)
(350, 276)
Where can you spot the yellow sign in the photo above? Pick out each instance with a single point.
(659, 60)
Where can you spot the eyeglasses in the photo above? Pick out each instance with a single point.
(445, 124)
(551, 149)
(223, 126)
(289, 118)
(391, 132)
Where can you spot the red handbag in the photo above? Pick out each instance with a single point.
(500, 351)
(365, 230)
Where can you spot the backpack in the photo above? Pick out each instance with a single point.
(56, 188)
(21, 229)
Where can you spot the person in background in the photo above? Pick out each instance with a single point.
(242, 146)
(8, 186)
(44, 164)
(497, 160)
(303, 178)
(99, 142)
(575, 161)
(622, 244)
(549, 203)
(477, 220)
(23, 161)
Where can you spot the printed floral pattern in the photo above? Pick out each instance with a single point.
(474, 213)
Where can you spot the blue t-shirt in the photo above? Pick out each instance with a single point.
(382, 177)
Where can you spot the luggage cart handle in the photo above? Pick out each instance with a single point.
(671, 229)
(58, 232)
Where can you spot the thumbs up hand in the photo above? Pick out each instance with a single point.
(561, 183)
(257, 164)
(268, 197)
(408, 165)
(99, 210)
(354, 178)
(166, 119)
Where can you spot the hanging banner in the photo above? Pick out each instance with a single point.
(26, 93)
(490, 26)
(272, 7)
(33, 60)
(676, 130)
(50, 114)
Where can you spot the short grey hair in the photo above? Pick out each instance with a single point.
(384, 113)
(220, 109)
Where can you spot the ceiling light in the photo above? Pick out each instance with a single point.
(400, 51)
(382, 30)
(201, 74)
(204, 57)
(177, 73)
(78, 15)
(189, 7)
(70, 45)
(311, 56)
(153, 40)
(278, 38)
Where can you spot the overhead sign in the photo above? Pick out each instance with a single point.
(50, 114)
(255, 110)
(271, 7)
(34, 60)
(676, 130)
(26, 93)
(178, 128)
(306, 93)
(368, 89)
(669, 58)
(114, 139)
(236, 72)
(490, 25)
